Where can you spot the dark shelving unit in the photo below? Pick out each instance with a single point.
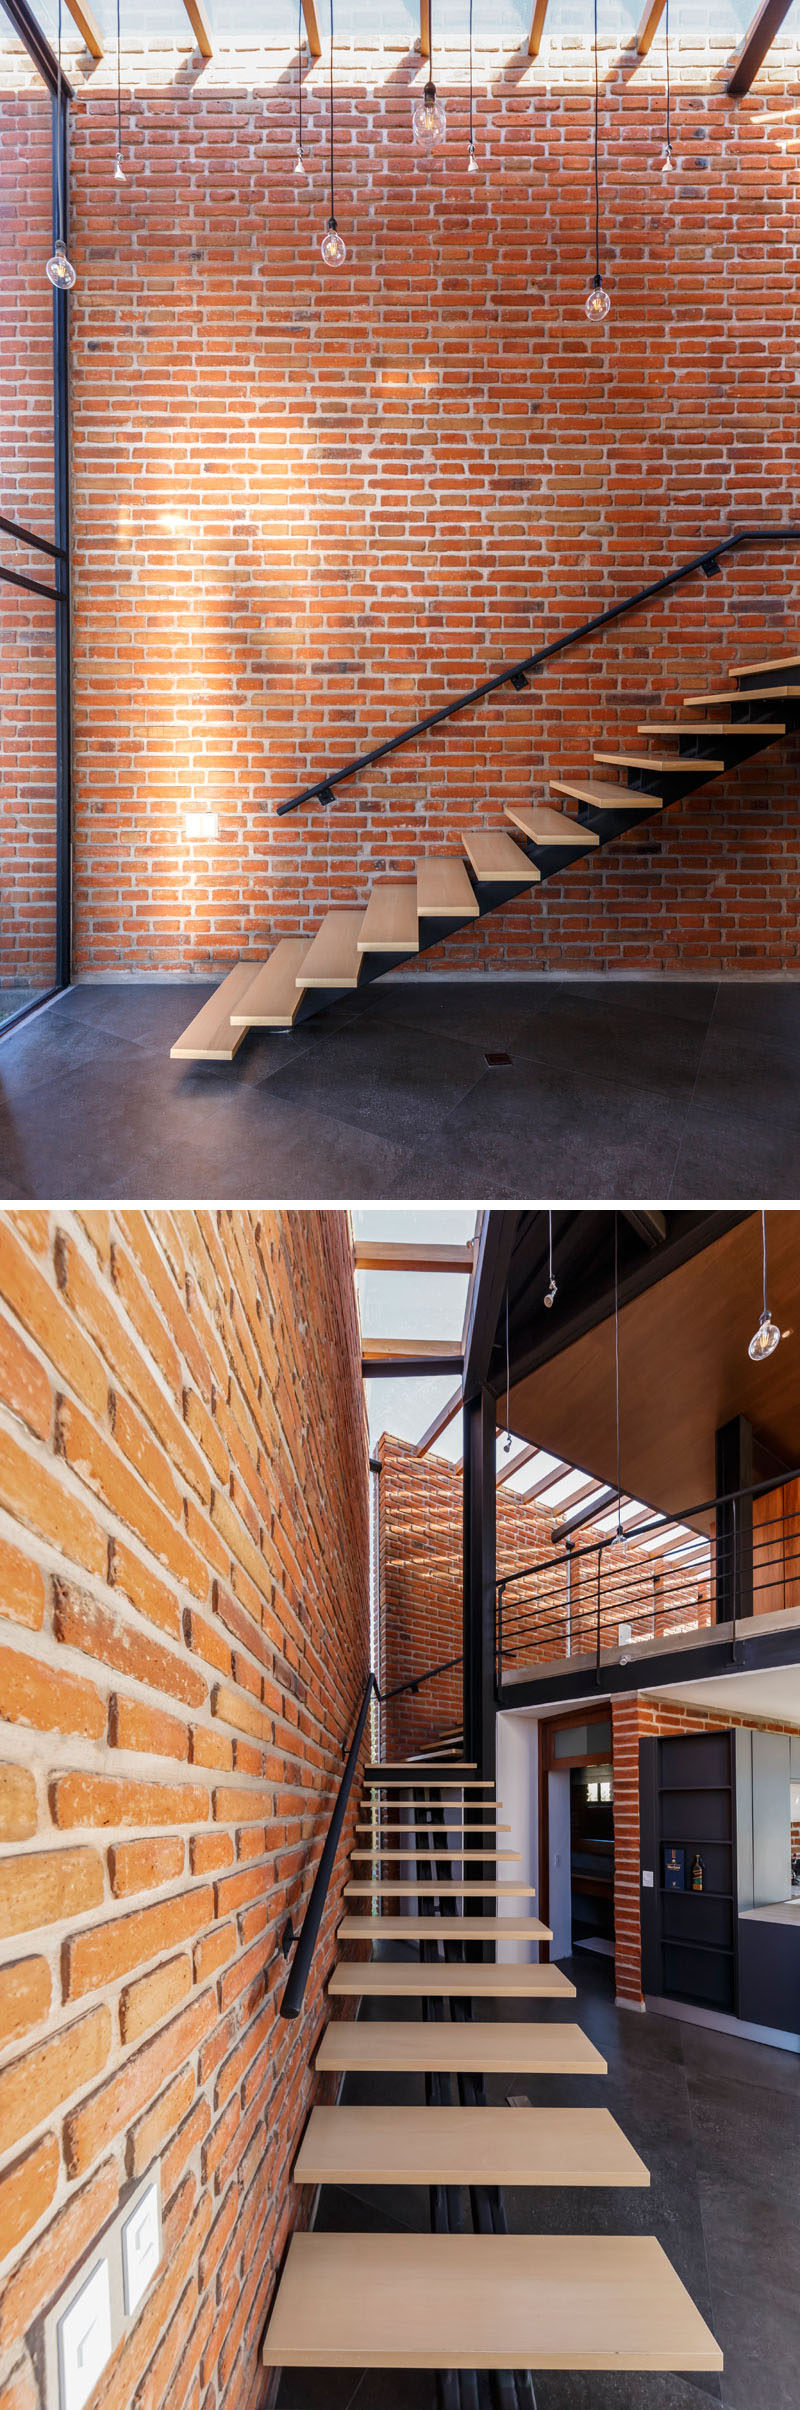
(688, 1802)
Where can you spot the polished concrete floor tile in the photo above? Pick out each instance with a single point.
(613, 1089)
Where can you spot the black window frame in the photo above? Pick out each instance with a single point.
(58, 590)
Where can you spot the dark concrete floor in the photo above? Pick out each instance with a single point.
(717, 2121)
(631, 1089)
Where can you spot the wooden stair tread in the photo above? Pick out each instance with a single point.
(333, 959)
(442, 1851)
(443, 888)
(210, 1038)
(538, 2301)
(545, 826)
(410, 2045)
(387, 2145)
(384, 1978)
(414, 1929)
(750, 694)
(711, 727)
(390, 924)
(750, 669)
(661, 762)
(605, 796)
(364, 1886)
(273, 998)
(495, 857)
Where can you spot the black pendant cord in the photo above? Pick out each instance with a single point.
(330, 114)
(616, 1376)
(764, 1257)
(59, 144)
(596, 156)
(119, 89)
(471, 132)
(300, 78)
(669, 94)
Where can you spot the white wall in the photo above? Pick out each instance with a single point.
(518, 1794)
(560, 1869)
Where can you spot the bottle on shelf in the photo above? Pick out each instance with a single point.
(698, 1872)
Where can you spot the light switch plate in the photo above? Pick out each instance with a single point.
(647, 1878)
(84, 2339)
(141, 2246)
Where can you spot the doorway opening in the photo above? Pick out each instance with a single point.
(576, 1873)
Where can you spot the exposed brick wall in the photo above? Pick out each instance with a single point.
(420, 1528)
(27, 626)
(309, 506)
(183, 1592)
(635, 1718)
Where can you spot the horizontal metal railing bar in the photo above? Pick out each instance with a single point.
(707, 1506)
(322, 788)
(26, 535)
(33, 585)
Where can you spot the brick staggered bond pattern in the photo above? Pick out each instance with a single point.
(184, 1618)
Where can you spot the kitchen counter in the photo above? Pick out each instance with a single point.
(779, 1912)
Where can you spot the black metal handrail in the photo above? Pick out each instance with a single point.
(516, 673)
(303, 1943)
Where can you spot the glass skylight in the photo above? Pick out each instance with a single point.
(405, 1407)
(412, 1305)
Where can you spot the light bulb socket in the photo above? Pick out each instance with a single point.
(551, 1292)
(429, 94)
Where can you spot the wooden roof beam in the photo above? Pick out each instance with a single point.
(766, 24)
(441, 1422)
(312, 29)
(411, 1255)
(654, 10)
(384, 1357)
(200, 25)
(87, 25)
(425, 28)
(524, 1457)
(537, 28)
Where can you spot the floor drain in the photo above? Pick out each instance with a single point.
(497, 1062)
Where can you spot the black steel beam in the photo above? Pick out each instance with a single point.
(759, 1653)
(496, 1241)
(758, 40)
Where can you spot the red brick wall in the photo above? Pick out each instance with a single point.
(309, 506)
(634, 1719)
(27, 626)
(184, 1566)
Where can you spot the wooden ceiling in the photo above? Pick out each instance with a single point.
(684, 1370)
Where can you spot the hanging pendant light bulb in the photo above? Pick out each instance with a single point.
(332, 246)
(299, 163)
(59, 269)
(668, 161)
(472, 164)
(428, 114)
(598, 301)
(119, 171)
(767, 1337)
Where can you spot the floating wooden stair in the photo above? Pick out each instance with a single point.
(424, 1780)
(444, 1928)
(455, 1827)
(484, 2301)
(405, 1979)
(413, 2045)
(401, 917)
(466, 2146)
